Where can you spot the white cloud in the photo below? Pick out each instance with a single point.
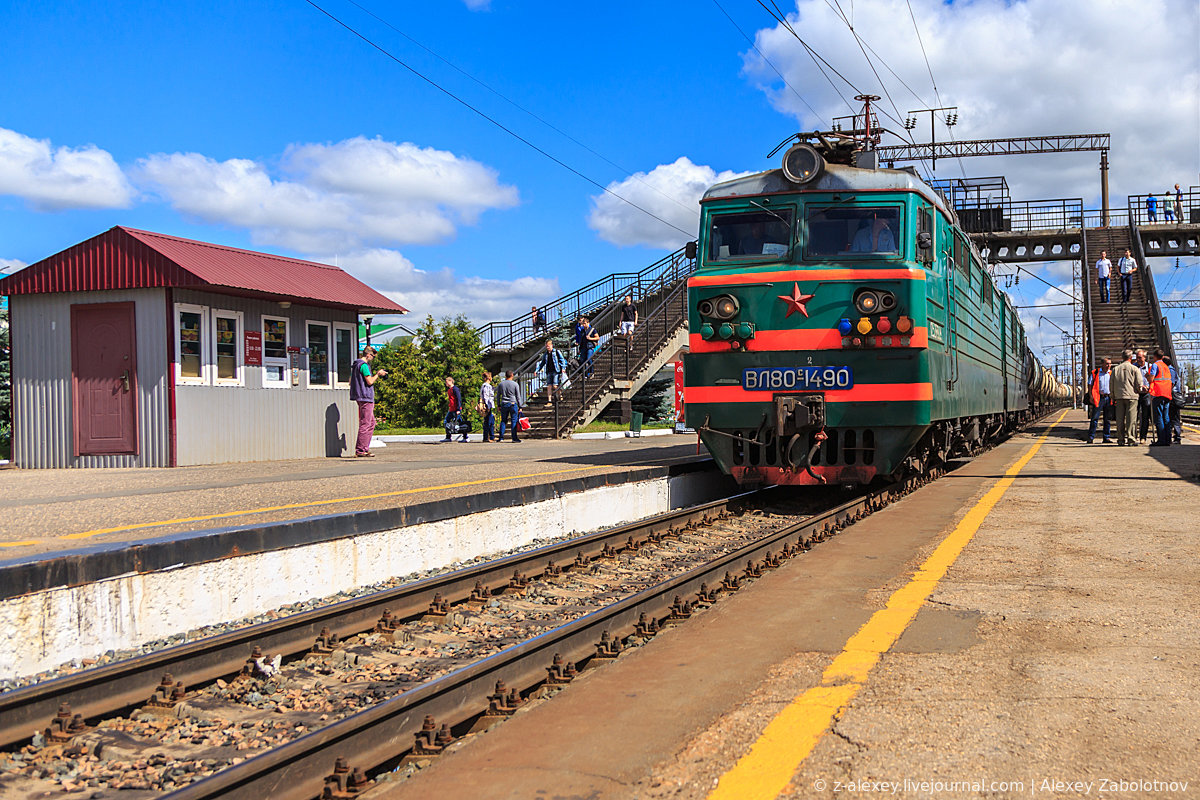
(10, 265)
(442, 293)
(53, 179)
(670, 192)
(1017, 68)
(332, 197)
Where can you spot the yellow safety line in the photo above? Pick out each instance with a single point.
(289, 506)
(766, 770)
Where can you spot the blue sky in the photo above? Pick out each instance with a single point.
(269, 126)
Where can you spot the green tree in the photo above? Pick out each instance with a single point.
(5, 384)
(414, 392)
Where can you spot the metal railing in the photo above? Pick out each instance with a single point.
(995, 216)
(594, 298)
(613, 363)
(1162, 331)
(1094, 218)
(1188, 211)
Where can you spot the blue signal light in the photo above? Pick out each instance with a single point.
(844, 327)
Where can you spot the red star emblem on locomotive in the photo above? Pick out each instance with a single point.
(795, 301)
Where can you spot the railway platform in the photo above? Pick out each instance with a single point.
(1024, 626)
(97, 561)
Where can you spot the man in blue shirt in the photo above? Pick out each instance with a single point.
(555, 367)
(1103, 272)
(1101, 399)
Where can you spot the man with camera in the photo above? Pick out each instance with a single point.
(362, 391)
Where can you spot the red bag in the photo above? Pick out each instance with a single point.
(523, 423)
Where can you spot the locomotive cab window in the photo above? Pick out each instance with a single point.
(853, 232)
(754, 234)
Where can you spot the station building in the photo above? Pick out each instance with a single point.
(136, 349)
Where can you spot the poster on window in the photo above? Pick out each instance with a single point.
(253, 349)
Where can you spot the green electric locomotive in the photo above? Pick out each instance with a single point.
(842, 327)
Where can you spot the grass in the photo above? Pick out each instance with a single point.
(602, 426)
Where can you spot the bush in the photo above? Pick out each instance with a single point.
(413, 395)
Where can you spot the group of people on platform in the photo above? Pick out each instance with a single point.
(1140, 392)
(1126, 266)
(505, 396)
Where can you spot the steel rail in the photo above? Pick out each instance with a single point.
(118, 687)
(382, 733)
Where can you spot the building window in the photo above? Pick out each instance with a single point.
(343, 352)
(318, 354)
(227, 346)
(275, 355)
(189, 343)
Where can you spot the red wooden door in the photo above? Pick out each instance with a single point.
(104, 373)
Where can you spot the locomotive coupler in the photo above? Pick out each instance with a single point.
(798, 412)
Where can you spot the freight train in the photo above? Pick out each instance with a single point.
(843, 328)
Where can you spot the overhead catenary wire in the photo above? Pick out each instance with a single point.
(628, 172)
(817, 58)
(767, 61)
(490, 119)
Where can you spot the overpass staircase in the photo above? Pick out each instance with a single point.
(620, 366)
(1115, 326)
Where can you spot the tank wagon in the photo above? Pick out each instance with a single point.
(842, 327)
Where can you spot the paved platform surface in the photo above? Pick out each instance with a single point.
(47, 511)
(1059, 650)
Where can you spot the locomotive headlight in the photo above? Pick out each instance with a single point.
(724, 307)
(705, 308)
(867, 302)
(802, 163)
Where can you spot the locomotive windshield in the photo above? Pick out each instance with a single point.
(843, 231)
(752, 234)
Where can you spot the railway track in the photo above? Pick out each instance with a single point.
(453, 696)
(446, 698)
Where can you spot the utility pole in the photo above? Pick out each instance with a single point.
(951, 121)
(1104, 188)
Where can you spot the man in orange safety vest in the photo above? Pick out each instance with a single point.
(1160, 399)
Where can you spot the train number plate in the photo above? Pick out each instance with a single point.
(793, 378)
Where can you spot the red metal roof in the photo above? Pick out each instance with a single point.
(125, 258)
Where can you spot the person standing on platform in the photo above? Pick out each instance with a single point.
(1179, 204)
(1144, 409)
(1126, 266)
(1100, 397)
(487, 407)
(1152, 207)
(1168, 208)
(510, 404)
(1125, 383)
(1160, 398)
(539, 320)
(454, 410)
(1176, 406)
(1103, 272)
(362, 392)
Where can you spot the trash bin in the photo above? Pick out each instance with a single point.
(635, 423)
